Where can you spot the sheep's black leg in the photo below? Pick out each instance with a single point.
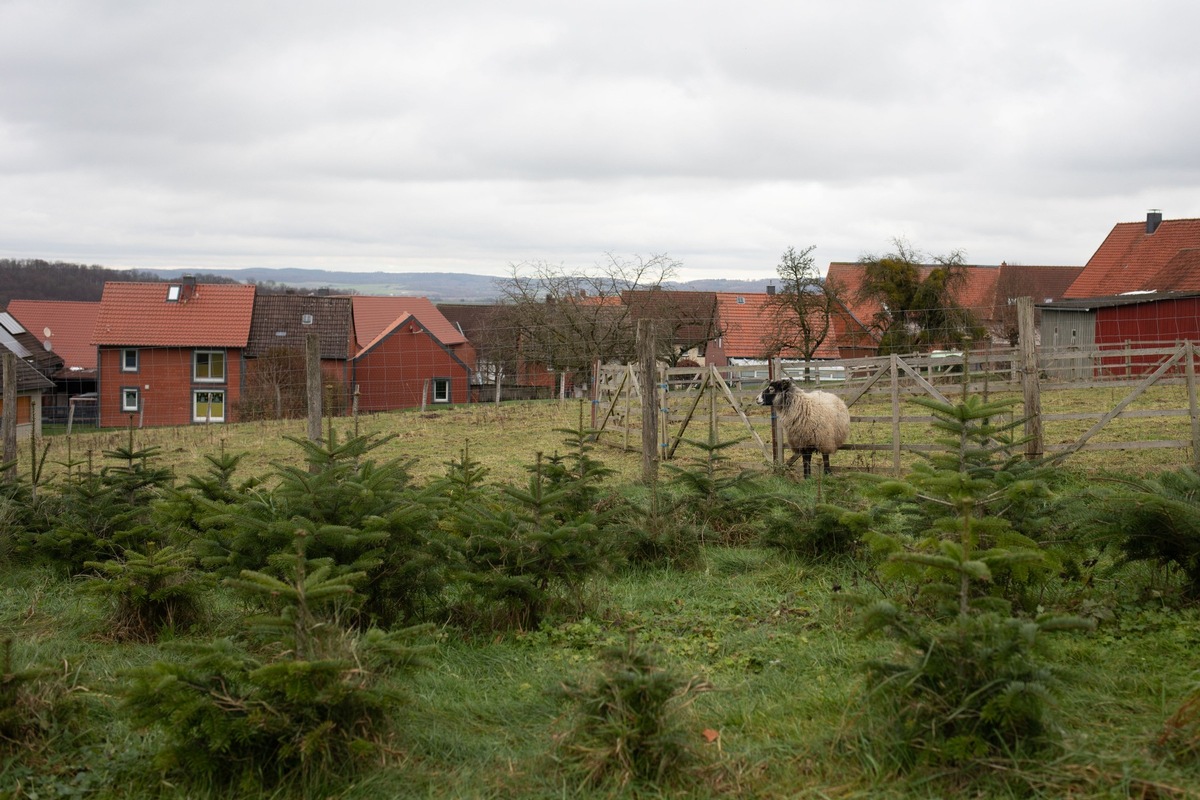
(825, 456)
(807, 462)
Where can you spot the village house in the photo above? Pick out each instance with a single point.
(171, 353)
(276, 384)
(988, 292)
(65, 328)
(29, 362)
(407, 354)
(1141, 287)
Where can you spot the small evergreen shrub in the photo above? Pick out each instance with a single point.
(815, 531)
(628, 724)
(150, 592)
(313, 704)
(654, 530)
(35, 704)
(976, 687)
(529, 550)
(1152, 520)
(970, 681)
(104, 512)
(719, 500)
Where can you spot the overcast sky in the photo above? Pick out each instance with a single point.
(468, 136)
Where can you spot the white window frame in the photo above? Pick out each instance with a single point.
(126, 393)
(444, 385)
(196, 366)
(196, 400)
(125, 354)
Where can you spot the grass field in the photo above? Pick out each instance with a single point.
(770, 633)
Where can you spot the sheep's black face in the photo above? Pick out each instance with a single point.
(773, 390)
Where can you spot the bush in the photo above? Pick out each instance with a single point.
(315, 708)
(628, 723)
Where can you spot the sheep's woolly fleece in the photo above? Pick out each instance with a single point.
(811, 421)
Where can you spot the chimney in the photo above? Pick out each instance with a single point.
(189, 287)
(770, 290)
(1153, 220)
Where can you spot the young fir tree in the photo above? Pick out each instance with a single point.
(333, 502)
(970, 680)
(103, 513)
(150, 590)
(314, 705)
(531, 546)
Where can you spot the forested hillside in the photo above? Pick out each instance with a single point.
(35, 279)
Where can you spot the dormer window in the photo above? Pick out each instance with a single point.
(173, 293)
(741, 301)
(306, 319)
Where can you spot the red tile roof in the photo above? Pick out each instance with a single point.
(139, 314)
(747, 326)
(374, 315)
(70, 324)
(977, 292)
(1131, 260)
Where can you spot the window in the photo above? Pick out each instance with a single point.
(129, 361)
(129, 400)
(173, 293)
(209, 365)
(441, 390)
(208, 406)
(306, 319)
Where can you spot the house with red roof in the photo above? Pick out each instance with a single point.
(1141, 287)
(988, 292)
(407, 354)
(747, 326)
(171, 353)
(64, 327)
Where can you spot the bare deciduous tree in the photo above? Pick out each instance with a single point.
(566, 318)
(803, 310)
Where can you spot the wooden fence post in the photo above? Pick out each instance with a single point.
(774, 373)
(648, 367)
(1034, 446)
(1193, 409)
(354, 408)
(894, 366)
(312, 352)
(8, 422)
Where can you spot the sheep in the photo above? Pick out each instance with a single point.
(812, 421)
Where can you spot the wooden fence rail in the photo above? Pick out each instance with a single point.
(706, 402)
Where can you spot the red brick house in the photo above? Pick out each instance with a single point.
(406, 351)
(406, 365)
(171, 353)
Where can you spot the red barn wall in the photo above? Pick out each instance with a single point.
(1166, 321)
(164, 383)
(1162, 322)
(392, 374)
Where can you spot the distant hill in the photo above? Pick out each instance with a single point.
(440, 287)
(34, 279)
